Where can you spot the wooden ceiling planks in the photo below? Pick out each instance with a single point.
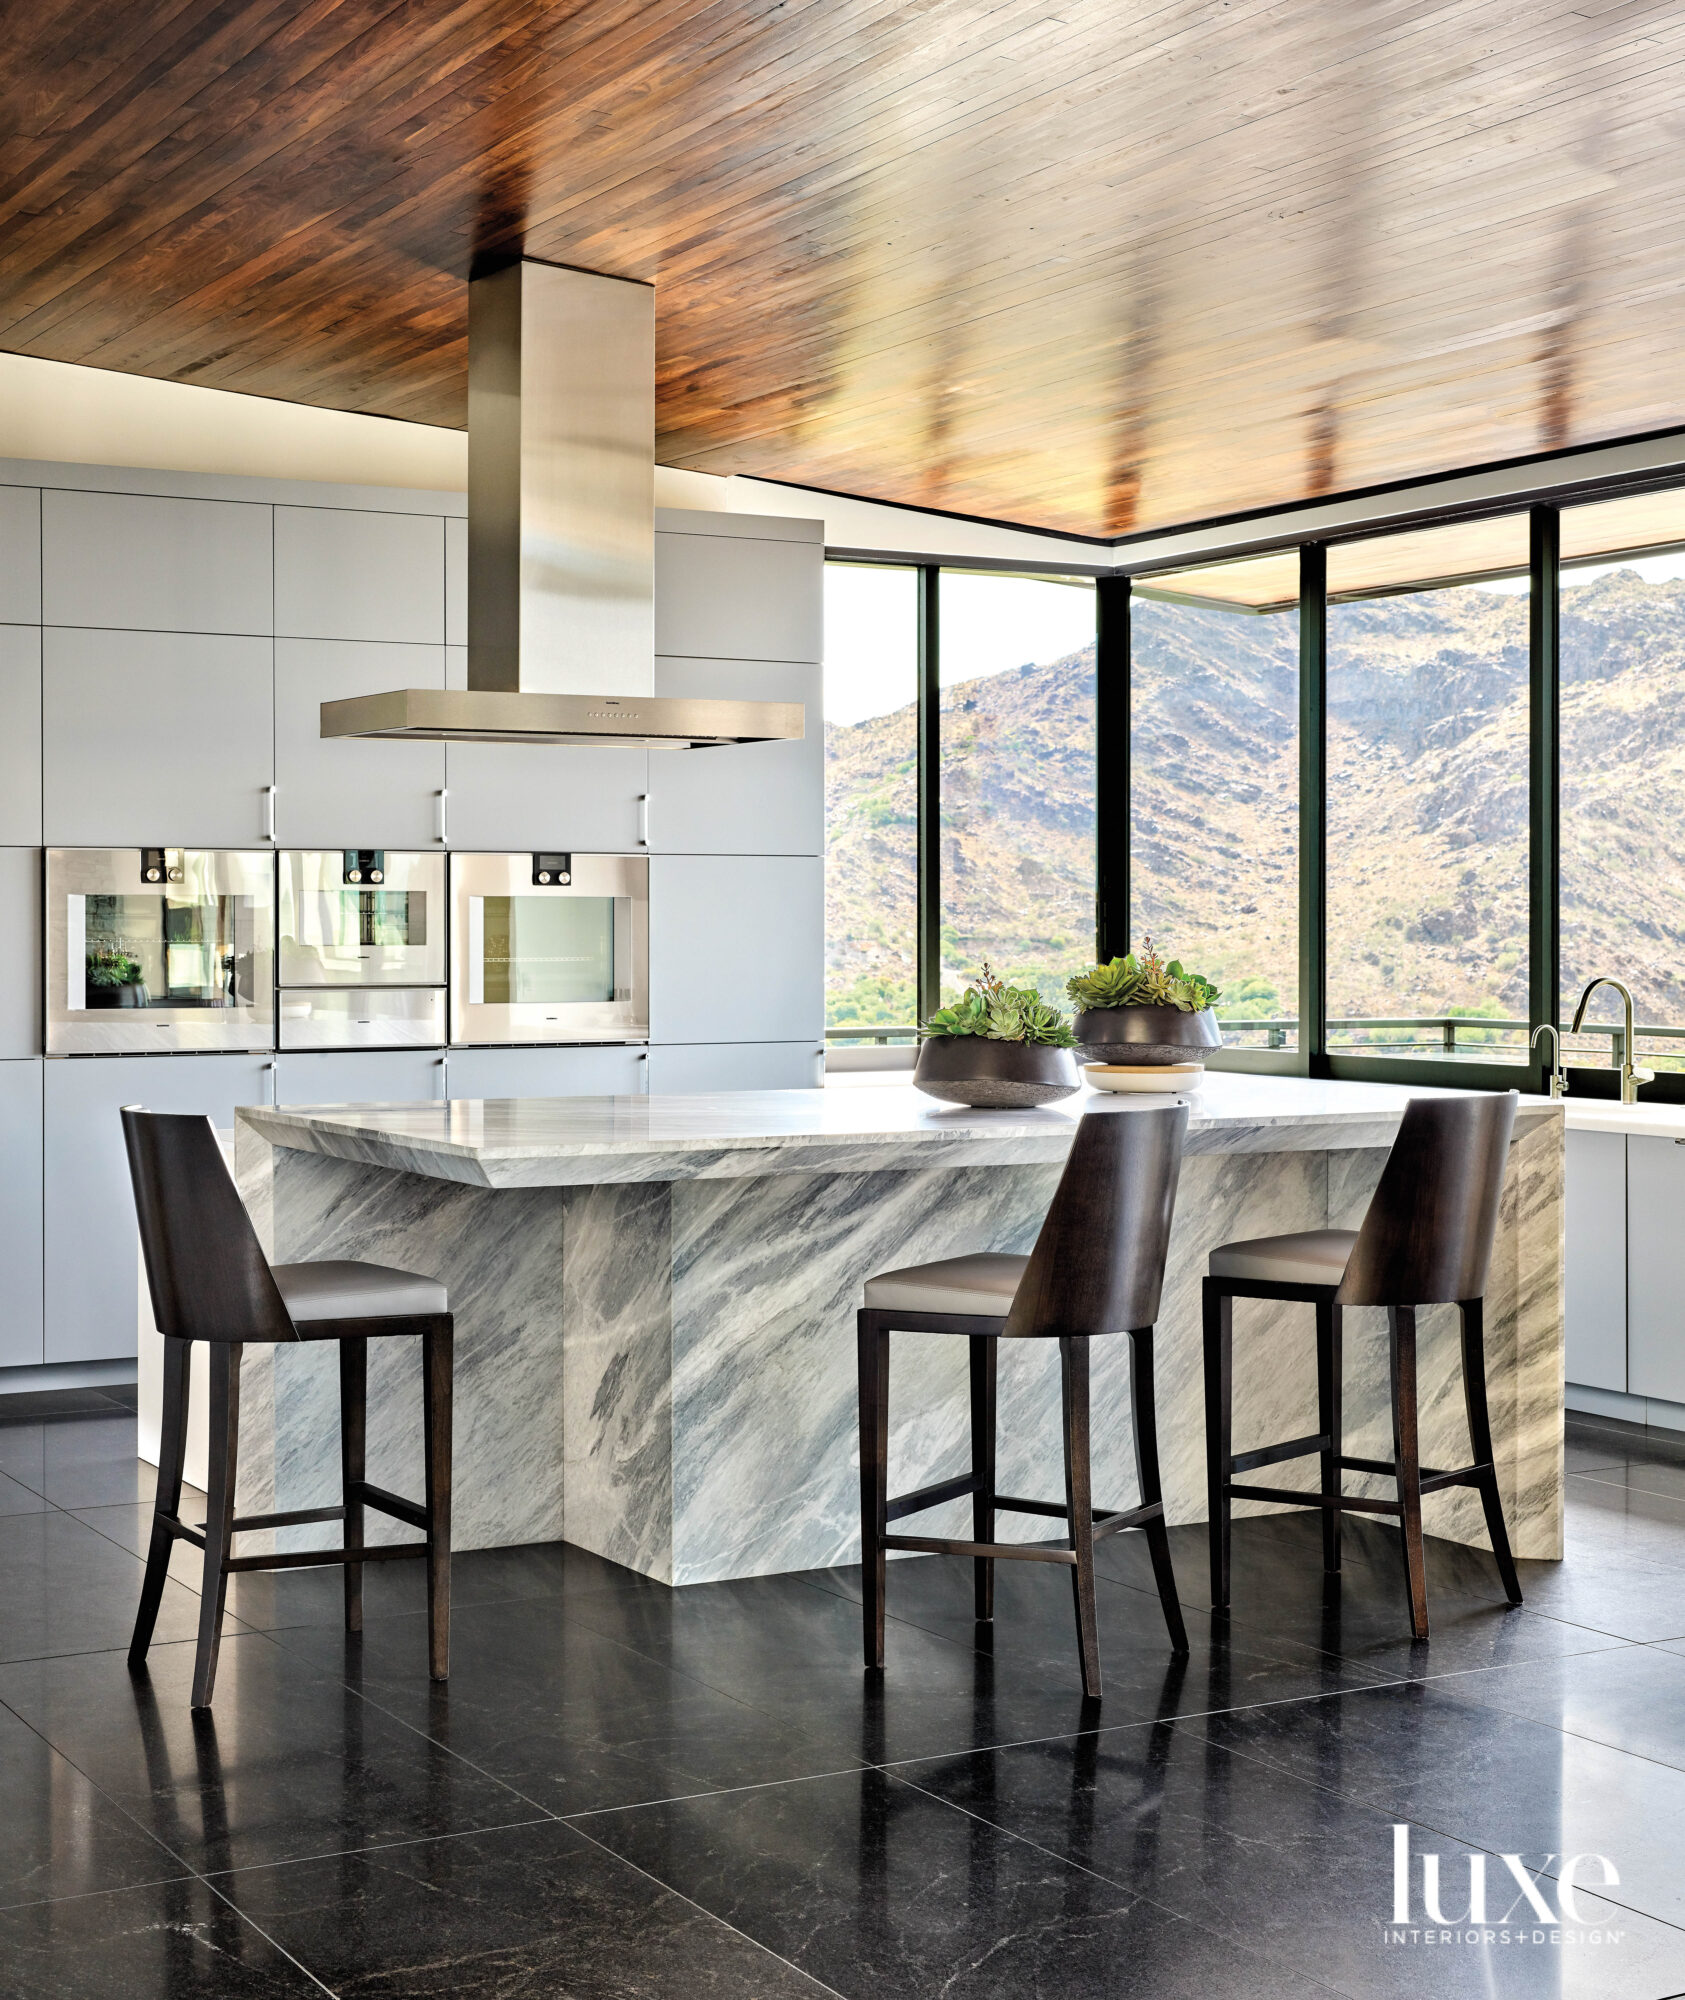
(1100, 270)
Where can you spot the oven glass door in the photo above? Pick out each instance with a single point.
(339, 932)
(550, 964)
(183, 963)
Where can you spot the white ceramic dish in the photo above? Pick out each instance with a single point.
(1158, 1077)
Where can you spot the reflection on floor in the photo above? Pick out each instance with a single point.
(627, 1791)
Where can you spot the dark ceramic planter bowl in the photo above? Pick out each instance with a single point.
(1145, 1034)
(993, 1076)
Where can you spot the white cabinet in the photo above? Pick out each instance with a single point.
(20, 734)
(736, 948)
(517, 798)
(352, 791)
(572, 1072)
(756, 798)
(739, 587)
(347, 574)
(156, 738)
(91, 1268)
(20, 555)
(20, 1214)
(136, 563)
(456, 580)
(684, 1069)
(1655, 1268)
(20, 967)
(359, 1076)
(1595, 1260)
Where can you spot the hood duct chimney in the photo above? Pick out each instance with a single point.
(561, 535)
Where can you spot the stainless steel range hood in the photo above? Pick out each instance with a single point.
(561, 535)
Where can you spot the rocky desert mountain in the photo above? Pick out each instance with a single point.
(1428, 731)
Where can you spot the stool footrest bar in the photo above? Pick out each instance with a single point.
(1465, 1475)
(1273, 1454)
(318, 1558)
(1008, 1551)
(394, 1504)
(1346, 1502)
(932, 1496)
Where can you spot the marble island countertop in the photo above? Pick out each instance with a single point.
(1643, 1120)
(594, 1141)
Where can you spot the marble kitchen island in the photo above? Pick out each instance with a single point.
(655, 1304)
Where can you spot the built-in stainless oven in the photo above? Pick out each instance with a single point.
(362, 959)
(549, 948)
(159, 949)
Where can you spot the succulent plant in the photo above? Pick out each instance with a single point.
(1147, 981)
(110, 966)
(1001, 1013)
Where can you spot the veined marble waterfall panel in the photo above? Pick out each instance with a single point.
(665, 1372)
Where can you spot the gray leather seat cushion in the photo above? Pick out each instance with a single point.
(1313, 1257)
(339, 1289)
(979, 1284)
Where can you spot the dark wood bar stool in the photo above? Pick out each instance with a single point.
(1097, 1268)
(210, 1281)
(1426, 1240)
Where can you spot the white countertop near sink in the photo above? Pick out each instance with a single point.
(1644, 1121)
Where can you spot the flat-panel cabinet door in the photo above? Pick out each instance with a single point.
(157, 739)
(348, 573)
(20, 1214)
(1655, 1268)
(20, 964)
(756, 798)
(138, 562)
(606, 1072)
(708, 1066)
(20, 555)
(20, 735)
(740, 597)
(359, 1076)
(352, 791)
(91, 1295)
(1595, 1307)
(520, 798)
(736, 948)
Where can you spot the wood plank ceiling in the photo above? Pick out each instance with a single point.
(1103, 268)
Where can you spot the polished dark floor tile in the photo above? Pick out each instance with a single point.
(1291, 1869)
(175, 1940)
(1281, 1599)
(1664, 1478)
(16, 1498)
(59, 1835)
(65, 1589)
(573, 1718)
(1494, 1780)
(878, 1889)
(536, 1911)
(287, 1763)
(1631, 1698)
(1624, 1551)
(82, 1462)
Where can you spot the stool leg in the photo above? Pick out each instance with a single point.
(874, 1478)
(166, 1498)
(1473, 1313)
(219, 1512)
(353, 1467)
(1147, 1482)
(1401, 1323)
(1219, 1399)
(437, 1348)
(1328, 1388)
(983, 1354)
(1079, 1504)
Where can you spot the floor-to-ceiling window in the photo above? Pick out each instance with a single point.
(1016, 777)
(1623, 769)
(1214, 785)
(871, 800)
(1427, 793)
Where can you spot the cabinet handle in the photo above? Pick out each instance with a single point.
(643, 1079)
(444, 1069)
(269, 812)
(643, 820)
(439, 833)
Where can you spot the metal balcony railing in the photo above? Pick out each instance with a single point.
(1436, 1034)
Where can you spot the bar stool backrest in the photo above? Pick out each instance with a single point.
(1427, 1237)
(1098, 1264)
(206, 1269)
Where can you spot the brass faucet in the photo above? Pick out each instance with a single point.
(1631, 1076)
(1558, 1075)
